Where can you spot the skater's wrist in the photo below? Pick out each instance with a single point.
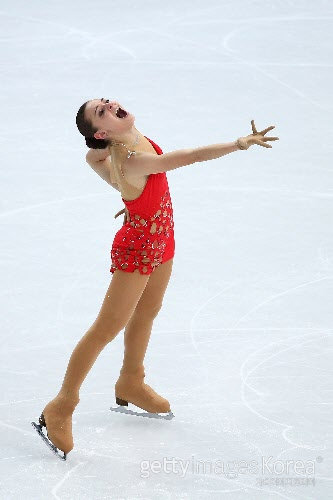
(242, 144)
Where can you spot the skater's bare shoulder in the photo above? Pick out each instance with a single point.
(100, 161)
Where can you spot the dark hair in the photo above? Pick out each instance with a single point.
(87, 130)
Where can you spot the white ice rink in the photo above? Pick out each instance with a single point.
(242, 347)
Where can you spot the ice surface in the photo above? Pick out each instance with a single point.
(242, 346)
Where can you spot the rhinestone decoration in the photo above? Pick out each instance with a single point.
(145, 239)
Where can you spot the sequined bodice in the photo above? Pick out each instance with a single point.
(143, 239)
(152, 210)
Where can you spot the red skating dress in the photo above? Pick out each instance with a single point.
(147, 239)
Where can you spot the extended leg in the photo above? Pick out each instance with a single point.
(119, 303)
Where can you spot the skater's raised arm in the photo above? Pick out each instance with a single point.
(146, 163)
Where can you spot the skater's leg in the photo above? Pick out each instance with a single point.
(130, 386)
(119, 303)
(138, 329)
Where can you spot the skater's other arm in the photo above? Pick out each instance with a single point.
(147, 163)
(100, 161)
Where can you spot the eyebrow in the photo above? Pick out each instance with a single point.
(97, 105)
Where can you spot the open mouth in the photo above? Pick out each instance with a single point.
(121, 113)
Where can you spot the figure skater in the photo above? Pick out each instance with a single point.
(141, 256)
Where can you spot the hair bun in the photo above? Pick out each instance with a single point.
(94, 143)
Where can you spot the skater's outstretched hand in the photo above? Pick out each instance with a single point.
(126, 215)
(257, 137)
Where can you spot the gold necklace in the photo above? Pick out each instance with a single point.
(130, 153)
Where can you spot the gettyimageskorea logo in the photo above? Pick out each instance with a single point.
(268, 470)
(287, 472)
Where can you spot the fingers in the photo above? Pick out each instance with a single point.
(124, 211)
(259, 136)
(263, 132)
(119, 213)
(261, 143)
(254, 130)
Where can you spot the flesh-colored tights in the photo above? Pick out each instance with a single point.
(132, 301)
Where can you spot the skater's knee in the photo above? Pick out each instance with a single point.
(106, 332)
(103, 337)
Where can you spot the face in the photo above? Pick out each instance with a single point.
(109, 117)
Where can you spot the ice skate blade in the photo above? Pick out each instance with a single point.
(38, 428)
(165, 416)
